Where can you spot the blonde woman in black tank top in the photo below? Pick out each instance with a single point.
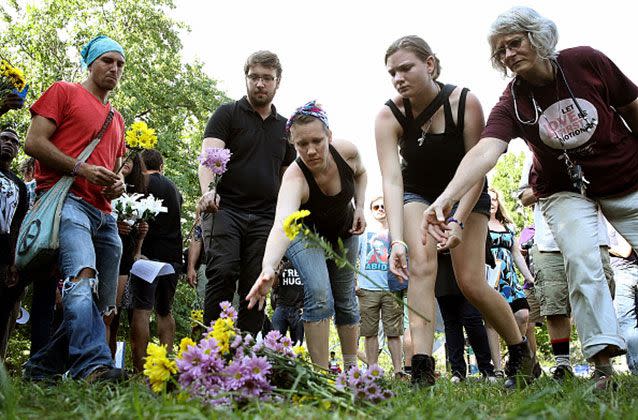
(328, 179)
(417, 145)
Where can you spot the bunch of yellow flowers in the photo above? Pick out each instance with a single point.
(13, 77)
(140, 136)
(158, 368)
(223, 332)
(292, 224)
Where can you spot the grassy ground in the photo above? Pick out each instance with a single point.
(543, 399)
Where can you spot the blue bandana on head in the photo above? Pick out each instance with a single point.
(312, 109)
(98, 46)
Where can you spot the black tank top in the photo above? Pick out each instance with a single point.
(428, 162)
(330, 216)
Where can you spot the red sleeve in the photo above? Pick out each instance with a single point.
(622, 91)
(52, 104)
(501, 123)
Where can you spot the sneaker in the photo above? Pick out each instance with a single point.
(603, 382)
(422, 370)
(490, 378)
(499, 374)
(455, 379)
(401, 376)
(562, 372)
(105, 374)
(520, 365)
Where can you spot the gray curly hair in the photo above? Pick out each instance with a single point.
(541, 32)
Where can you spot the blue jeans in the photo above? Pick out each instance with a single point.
(328, 289)
(288, 318)
(626, 303)
(88, 239)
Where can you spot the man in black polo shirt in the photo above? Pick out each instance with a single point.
(244, 203)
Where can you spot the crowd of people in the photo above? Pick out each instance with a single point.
(439, 232)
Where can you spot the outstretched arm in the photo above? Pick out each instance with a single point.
(350, 153)
(474, 123)
(293, 190)
(476, 163)
(387, 132)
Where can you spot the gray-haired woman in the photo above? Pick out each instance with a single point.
(579, 115)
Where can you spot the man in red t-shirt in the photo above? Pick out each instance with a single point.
(64, 120)
(579, 114)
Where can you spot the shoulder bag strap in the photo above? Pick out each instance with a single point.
(93, 144)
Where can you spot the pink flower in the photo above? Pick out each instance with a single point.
(215, 159)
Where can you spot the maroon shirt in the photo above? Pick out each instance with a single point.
(608, 153)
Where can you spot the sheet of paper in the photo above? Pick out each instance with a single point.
(148, 270)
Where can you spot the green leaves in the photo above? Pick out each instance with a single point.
(176, 98)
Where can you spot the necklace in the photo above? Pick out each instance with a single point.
(428, 123)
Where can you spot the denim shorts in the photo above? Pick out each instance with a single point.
(328, 289)
(482, 206)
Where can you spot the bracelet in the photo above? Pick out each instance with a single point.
(393, 243)
(453, 220)
(76, 168)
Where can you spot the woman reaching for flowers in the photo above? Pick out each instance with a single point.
(422, 135)
(323, 180)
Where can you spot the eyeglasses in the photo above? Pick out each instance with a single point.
(266, 78)
(377, 207)
(512, 45)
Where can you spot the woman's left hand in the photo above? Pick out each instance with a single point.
(454, 237)
(359, 222)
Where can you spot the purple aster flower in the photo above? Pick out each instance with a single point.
(234, 375)
(375, 371)
(215, 159)
(237, 341)
(257, 367)
(341, 381)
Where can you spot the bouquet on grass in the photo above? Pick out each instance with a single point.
(226, 367)
(12, 80)
(132, 208)
(138, 138)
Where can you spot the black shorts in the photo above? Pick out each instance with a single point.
(158, 295)
(519, 304)
(482, 205)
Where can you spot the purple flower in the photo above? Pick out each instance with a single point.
(257, 367)
(215, 159)
(375, 371)
(235, 375)
(342, 381)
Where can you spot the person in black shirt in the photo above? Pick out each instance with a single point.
(287, 301)
(13, 207)
(243, 204)
(163, 242)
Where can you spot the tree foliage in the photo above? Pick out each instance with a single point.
(506, 179)
(174, 97)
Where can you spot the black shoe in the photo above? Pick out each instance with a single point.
(422, 370)
(562, 372)
(520, 365)
(106, 374)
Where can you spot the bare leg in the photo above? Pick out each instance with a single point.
(469, 267)
(422, 271)
(522, 316)
(394, 344)
(140, 334)
(495, 347)
(349, 339)
(166, 330)
(372, 350)
(317, 335)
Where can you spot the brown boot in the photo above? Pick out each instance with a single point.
(422, 370)
(520, 365)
